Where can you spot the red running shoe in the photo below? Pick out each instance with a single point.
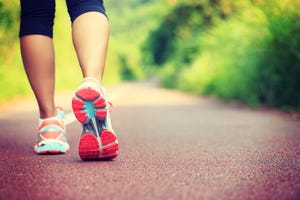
(92, 110)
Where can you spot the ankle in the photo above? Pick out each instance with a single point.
(56, 117)
(91, 79)
(48, 113)
(95, 82)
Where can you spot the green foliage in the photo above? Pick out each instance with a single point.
(280, 66)
(178, 29)
(247, 50)
(251, 54)
(8, 28)
(11, 71)
(228, 65)
(130, 23)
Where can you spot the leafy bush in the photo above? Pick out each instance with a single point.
(252, 56)
(130, 22)
(178, 28)
(228, 64)
(174, 45)
(280, 65)
(8, 27)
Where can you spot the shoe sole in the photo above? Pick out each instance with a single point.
(51, 146)
(89, 105)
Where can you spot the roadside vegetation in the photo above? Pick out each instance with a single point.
(242, 50)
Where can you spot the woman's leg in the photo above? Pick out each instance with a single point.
(36, 30)
(90, 37)
(38, 58)
(90, 32)
(37, 50)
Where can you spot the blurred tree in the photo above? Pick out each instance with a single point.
(9, 20)
(280, 66)
(265, 67)
(178, 28)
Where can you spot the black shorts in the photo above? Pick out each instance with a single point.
(37, 16)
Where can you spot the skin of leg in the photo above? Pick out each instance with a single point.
(90, 32)
(38, 59)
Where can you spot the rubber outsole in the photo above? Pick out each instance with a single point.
(91, 148)
(87, 105)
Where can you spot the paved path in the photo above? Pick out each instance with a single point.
(172, 146)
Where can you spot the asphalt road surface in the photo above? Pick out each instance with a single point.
(172, 146)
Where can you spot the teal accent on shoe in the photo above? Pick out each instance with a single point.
(51, 128)
(52, 145)
(61, 113)
(90, 109)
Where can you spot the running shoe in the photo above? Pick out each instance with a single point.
(92, 110)
(51, 135)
